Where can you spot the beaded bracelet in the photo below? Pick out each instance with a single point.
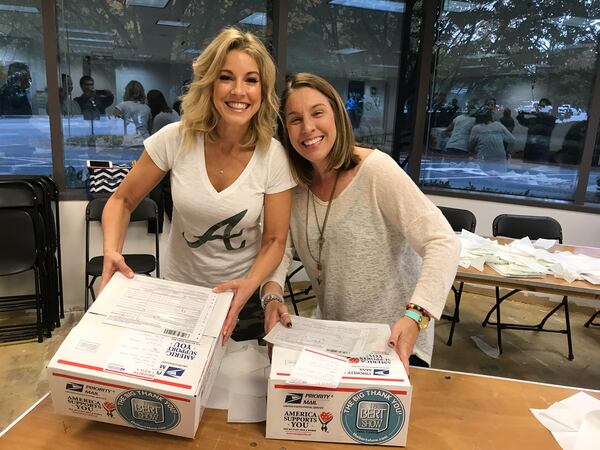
(418, 308)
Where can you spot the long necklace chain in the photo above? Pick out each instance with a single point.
(321, 240)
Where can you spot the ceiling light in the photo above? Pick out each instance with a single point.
(147, 3)
(173, 23)
(192, 51)
(349, 51)
(573, 21)
(144, 55)
(256, 18)
(377, 5)
(79, 30)
(99, 41)
(23, 9)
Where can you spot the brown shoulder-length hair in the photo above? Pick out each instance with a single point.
(134, 91)
(198, 113)
(341, 156)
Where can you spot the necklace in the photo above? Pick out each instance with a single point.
(321, 229)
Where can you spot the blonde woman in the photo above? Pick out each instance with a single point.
(226, 169)
(374, 247)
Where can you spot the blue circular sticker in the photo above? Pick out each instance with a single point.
(147, 410)
(372, 416)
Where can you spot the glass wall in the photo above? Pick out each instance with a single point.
(356, 46)
(592, 194)
(24, 124)
(114, 56)
(508, 105)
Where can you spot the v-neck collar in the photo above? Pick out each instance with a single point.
(206, 179)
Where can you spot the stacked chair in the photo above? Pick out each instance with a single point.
(30, 241)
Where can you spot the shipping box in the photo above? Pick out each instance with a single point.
(371, 405)
(124, 376)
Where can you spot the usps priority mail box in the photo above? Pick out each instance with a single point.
(370, 406)
(83, 383)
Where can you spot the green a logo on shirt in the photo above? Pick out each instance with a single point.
(210, 235)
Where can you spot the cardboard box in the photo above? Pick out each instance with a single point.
(371, 405)
(83, 384)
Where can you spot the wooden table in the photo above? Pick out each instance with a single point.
(450, 410)
(547, 285)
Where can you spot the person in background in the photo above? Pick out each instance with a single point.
(161, 115)
(133, 108)
(460, 130)
(488, 138)
(93, 102)
(509, 123)
(68, 106)
(230, 179)
(14, 99)
(160, 112)
(374, 247)
(540, 125)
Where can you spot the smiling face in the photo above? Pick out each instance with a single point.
(237, 90)
(310, 124)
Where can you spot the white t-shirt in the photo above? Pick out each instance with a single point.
(215, 236)
(138, 114)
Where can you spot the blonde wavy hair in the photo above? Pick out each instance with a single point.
(198, 111)
(341, 156)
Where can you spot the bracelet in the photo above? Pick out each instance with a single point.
(418, 308)
(270, 297)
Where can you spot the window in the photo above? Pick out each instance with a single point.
(24, 124)
(512, 84)
(356, 47)
(115, 56)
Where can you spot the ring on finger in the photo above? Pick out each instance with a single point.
(285, 314)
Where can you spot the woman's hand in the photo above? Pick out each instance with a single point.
(242, 288)
(403, 338)
(113, 262)
(276, 312)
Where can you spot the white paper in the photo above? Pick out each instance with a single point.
(138, 354)
(142, 305)
(588, 437)
(341, 338)
(246, 409)
(492, 352)
(317, 368)
(545, 243)
(574, 422)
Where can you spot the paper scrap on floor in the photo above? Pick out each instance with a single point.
(341, 338)
(574, 422)
(241, 384)
(317, 368)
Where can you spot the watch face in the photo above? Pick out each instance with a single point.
(424, 322)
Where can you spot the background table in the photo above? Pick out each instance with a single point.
(450, 410)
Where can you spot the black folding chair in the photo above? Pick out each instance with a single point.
(459, 219)
(21, 250)
(139, 263)
(300, 295)
(534, 227)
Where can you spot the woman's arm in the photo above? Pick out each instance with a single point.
(115, 218)
(276, 223)
(427, 231)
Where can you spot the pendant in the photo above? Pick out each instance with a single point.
(319, 273)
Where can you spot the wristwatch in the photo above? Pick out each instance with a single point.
(270, 297)
(421, 319)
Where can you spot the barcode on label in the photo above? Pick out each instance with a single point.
(177, 333)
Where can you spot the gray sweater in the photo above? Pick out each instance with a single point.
(385, 245)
